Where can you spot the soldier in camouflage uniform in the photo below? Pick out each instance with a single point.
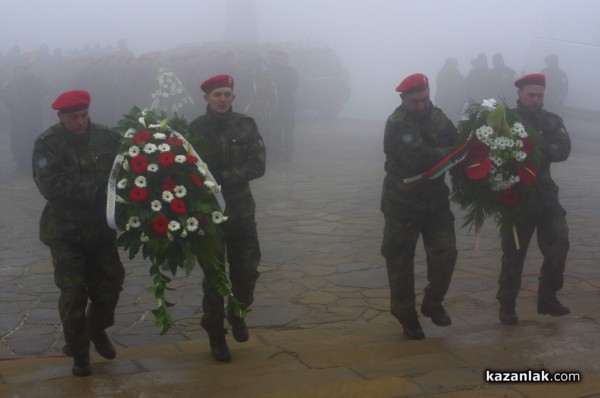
(548, 218)
(71, 164)
(231, 145)
(417, 136)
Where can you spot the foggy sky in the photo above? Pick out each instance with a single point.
(379, 41)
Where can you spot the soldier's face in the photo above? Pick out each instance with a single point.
(75, 122)
(220, 99)
(532, 97)
(417, 103)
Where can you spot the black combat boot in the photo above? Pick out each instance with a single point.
(438, 315)
(81, 365)
(103, 345)
(218, 346)
(412, 328)
(238, 327)
(552, 307)
(507, 314)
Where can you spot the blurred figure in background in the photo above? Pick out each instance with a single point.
(479, 83)
(503, 80)
(557, 86)
(256, 94)
(25, 96)
(450, 90)
(285, 77)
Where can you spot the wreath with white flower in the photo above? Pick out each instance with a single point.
(164, 201)
(499, 175)
(171, 95)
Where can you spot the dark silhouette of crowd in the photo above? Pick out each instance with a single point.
(455, 90)
(168, 80)
(162, 80)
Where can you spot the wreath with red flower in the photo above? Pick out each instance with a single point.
(164, 202)
(499, 174)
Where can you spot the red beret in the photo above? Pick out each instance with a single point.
(72, 101)
(217, 82)
(413, 83)
(537, 79)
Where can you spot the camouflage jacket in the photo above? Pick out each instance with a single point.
(555, 147)
(413, 145)
(235, 154)
(71, 172)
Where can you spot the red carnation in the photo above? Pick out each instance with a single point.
(141, 136)
(196, 180)
(191, 158)
(138, 194)
(166, 158)
(174, 141)
(509, 197)
(478, 149)
(479, 168)
(178, 206)
(527, 146)
(160, 224)
(202, 221)
(527, 173)
(139, 164)
(169, 185)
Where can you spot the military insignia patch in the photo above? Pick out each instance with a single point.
(42, 162)
(407, 138)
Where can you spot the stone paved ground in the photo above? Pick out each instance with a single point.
(320, 323)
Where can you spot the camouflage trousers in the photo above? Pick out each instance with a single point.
(398, 247)
(81, 273)
(553, 241)
(243, 257)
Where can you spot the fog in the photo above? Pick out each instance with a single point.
(379, 42)
(321, 207)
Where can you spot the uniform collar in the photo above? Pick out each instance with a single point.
(219, 118)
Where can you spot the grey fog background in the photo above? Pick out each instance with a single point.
(318, 216)
(378, 41)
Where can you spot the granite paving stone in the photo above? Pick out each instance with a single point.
(320, 325)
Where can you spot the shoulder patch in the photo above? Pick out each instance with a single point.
(407, 138)
(41, 161)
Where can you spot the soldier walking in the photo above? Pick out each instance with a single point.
(71, 165)
(548, 218)
(417, 136)
(233, 149)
